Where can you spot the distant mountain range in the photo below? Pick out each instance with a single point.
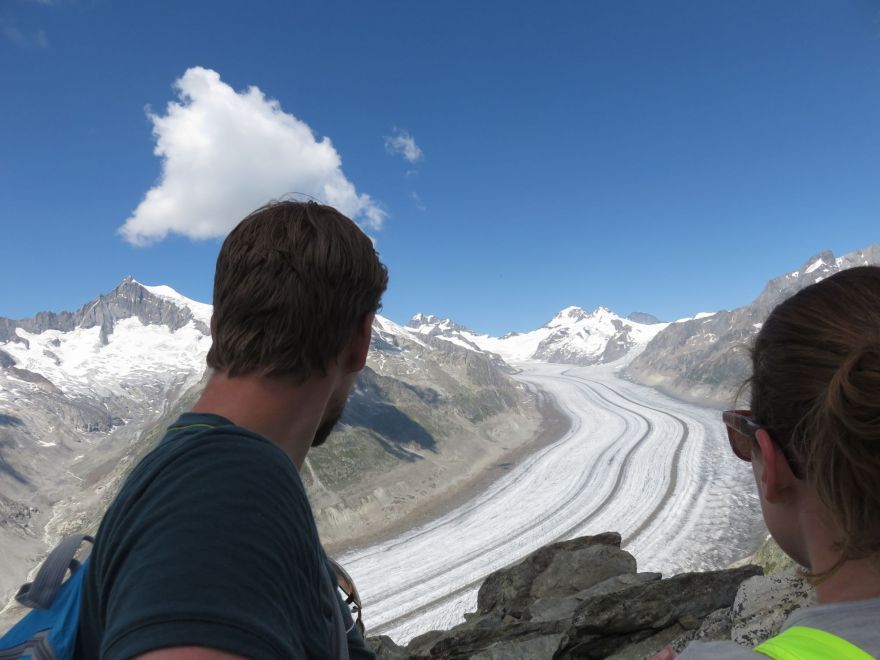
(573, 336)
(703, 359)
(85, 394)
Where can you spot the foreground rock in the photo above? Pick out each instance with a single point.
(584, 598)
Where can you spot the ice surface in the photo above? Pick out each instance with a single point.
(657, 470)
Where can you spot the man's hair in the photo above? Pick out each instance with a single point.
(816, 388)
(293, 280)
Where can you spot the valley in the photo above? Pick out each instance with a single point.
(457, 454)
(635, 461)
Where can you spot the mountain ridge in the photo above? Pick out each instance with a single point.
(83, 394)
(705, 359)
(572, 336)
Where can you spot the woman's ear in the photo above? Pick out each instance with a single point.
(773, 472)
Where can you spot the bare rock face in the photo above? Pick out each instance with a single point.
(706, 359)
(581, 599)
(129, 299)
(763, 603)
(555, 571)
(607, 624)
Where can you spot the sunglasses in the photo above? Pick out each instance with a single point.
(741, 430)
(352, 597)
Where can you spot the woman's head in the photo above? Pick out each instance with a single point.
(815, 387)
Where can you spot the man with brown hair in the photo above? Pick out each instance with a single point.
(210, 549)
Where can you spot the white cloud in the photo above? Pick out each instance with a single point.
(23, 38)
(403, 144)
(225, 153)
(420, 205)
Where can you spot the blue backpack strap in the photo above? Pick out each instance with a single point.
(40, 593)
(49, 631)
(803, 643)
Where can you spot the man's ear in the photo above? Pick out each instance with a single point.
(775, 476)
(359, 344)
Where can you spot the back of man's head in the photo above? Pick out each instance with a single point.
(293, 280)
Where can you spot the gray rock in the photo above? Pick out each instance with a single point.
(607, 623)
(385, 648)
(659, 604)
(582, 568)
(6, 360)
(648, 647)
(529, 611)
(763, 603)
(551, 607)
(469, 641)
(535, 647)
(570, 566)
(715, 628)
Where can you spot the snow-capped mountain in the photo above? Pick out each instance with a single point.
(85, 394)
(573, 336)
(706, 358)
(133, 343)
(78, 391)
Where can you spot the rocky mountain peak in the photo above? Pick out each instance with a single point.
(132, 299)
(568, 316)
(129, 299)
(824, 260)
(643, 317)
(428, 324)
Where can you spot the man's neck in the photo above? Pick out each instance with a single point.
(286, 414)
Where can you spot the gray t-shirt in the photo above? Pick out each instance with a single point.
(857, 621)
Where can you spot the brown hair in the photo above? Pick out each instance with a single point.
(815, 386)
(293, 279)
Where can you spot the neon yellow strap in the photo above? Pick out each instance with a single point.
(802, 643)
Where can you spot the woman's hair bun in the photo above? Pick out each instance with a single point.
(852, 402)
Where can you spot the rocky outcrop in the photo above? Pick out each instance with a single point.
(763, 603)
(584, 598)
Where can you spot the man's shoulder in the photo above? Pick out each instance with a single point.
(216, 470)
(199, 442)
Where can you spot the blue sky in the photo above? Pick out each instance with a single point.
(510, 159)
